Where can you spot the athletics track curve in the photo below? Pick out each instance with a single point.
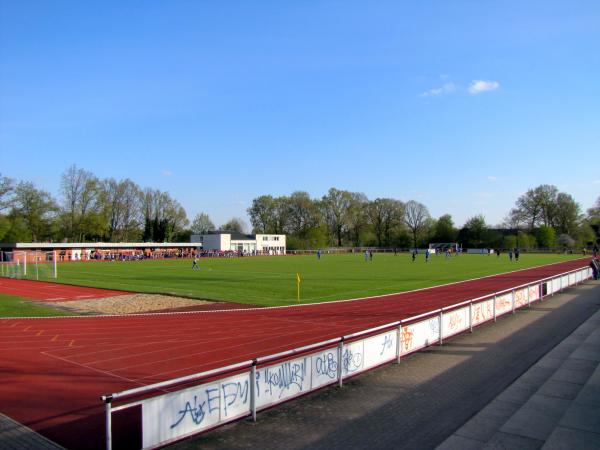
(54, 370)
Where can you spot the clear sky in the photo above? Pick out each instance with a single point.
(462, 105)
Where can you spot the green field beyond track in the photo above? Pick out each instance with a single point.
(11, 306)
(271, 281)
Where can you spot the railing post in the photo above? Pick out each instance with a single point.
(398, 343)
(471, 317)
(528, 301)
(441, 327)
(541, 291)
(513, 301)
(253, 390)
(494, 309)
(340, 363)
(107, 399)
(561, 284)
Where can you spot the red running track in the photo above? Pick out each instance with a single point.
(54, 370)
(53, 292)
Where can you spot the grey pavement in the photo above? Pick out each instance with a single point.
(554, 405)
(531, 380)
(14, 436)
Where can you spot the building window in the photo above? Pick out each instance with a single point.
(265, 238)
(275, 238)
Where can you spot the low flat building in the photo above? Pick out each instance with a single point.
(82, 251)
(231, 241)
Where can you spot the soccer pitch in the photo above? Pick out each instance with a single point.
(271, 281)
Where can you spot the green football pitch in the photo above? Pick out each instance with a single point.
(271, 281)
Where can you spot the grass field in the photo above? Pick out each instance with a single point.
(11, 306)
(271, 281)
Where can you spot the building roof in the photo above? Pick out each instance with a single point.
(236, 236)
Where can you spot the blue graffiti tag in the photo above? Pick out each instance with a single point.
(434, 326)
(387, 343)
(196, 412)
(351, 361)
(327, 365)
(285, 376)
(233, 392)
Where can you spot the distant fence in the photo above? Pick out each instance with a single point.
(241, 390)
(340, 250)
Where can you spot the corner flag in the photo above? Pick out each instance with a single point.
(298, 285)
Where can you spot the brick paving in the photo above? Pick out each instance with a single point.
(430, 395)
(558, 405)
(14, 436)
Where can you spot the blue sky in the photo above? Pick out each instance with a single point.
(462, 105)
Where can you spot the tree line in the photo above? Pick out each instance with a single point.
(88, 209)
(543, 217)
(92, 209)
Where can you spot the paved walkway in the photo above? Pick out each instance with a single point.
(14, 436)
(420, 403)
(554, 405)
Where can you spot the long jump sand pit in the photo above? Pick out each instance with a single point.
(129, 304)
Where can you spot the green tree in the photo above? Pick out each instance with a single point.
(202, 224)
(546, 236)
(262, 214)
(476, 230)
(384, 215)
(444, 230)
(567, 214)
(335, 206)
(357, 216)
(536, 206)
(18, 230)
(297, 213)
(7, 186)
(37, 208)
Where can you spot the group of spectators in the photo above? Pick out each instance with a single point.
(159, 253)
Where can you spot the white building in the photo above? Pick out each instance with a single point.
(266, 244)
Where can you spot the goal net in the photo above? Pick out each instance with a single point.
(441, 247)
(34, 265)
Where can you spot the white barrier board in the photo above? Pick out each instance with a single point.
(279, 382)
(352, 358)
(482, 312)
(419, 335)
(324, 367)
(555, 286)
(455, 321)
(521, 297)
(380, 349)
(503, 304)
(192, 410)
(534, 293)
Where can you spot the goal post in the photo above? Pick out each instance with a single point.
(441, 247)
(14, 264)
(42, 265)
(31, 265)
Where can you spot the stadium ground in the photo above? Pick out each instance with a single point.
(271, 281)
(55, 369)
